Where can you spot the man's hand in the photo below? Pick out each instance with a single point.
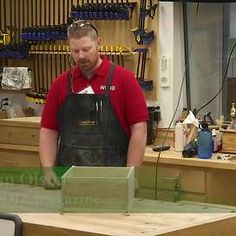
(51, 180)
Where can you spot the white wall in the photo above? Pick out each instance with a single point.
(205, 58)
(171, 45)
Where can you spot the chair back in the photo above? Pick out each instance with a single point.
(10, 225)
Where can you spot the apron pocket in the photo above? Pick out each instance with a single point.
(90, 156)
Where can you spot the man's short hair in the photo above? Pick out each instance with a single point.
(82, 28)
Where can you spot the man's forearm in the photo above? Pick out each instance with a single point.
(137, 144)
(48, 147)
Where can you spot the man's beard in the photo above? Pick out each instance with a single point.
(87, 65)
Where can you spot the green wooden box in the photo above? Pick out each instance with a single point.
(98, 189)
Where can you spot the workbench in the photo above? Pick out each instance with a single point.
(179, 178)
(200, 180)
(129, 225)
(19, 141)
(147, 217)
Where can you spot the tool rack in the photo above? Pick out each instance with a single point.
(46, 64)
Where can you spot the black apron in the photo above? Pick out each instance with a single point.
(90, 133)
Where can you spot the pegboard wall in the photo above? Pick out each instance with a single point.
(48, 59)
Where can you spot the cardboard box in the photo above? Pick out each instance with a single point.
(98, 189)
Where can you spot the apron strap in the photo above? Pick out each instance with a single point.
(69, 82)
(108, 85)
(109, 78)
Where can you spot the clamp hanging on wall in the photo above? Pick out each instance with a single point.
(103, 10)
(142, 56)
(140, 34)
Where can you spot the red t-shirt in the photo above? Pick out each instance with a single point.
(126, 96)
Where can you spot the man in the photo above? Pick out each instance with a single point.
(95, 113)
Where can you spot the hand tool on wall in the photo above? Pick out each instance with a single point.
(15, 22)
(28, 13)
(123, 50)
(4, 16)
(64, 20)
(45, 55)
(35, 47)
(60, 57)
(49, 47)
(51, 61)
(10, 20)
(141, 66)
(152, 9)
(60, 43)
(5, 37)
(69, 6)
(112, 51)
(118, 58)
(38, 69)
(3, 28)
(3, 102)
(33, 58)
(95, 10)
(129, 5)
(24, 17)
(122, 59)
(141, 35)
(19, 26)
(88, 12)
(100, 14)
(53, 47)
(65, 55)
(35, 97)
(111, 10)
(103, 10)
(42, 68)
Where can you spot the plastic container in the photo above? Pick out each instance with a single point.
(180, 137)
(214, 141)
(204, 142)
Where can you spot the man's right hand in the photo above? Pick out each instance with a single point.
(51, 180)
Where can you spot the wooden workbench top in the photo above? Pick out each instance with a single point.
(148, 217)
(33, 121)
(175, 158)
(150, 157)
(129, 225)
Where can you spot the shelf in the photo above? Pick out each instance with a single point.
(14, 91)
(49, 52)
(68, 53)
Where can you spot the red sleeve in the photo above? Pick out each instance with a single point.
(54, 99)
(135, 102)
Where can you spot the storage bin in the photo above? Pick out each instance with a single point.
(98, 189)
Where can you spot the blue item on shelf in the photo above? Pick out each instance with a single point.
(204, 142)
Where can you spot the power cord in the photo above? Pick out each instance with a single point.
(179, 97)
(223, 81)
